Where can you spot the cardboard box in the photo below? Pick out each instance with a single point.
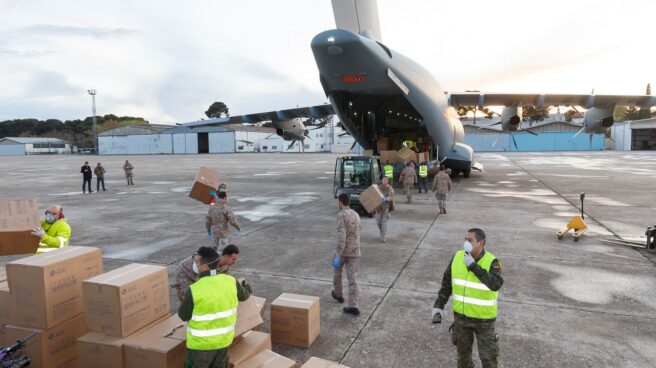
(259, 303)
(248, 316)
(268, 359)
(161, 345)
(96, 350)
(4, 311)
(46, 289)
(295, 319)
(406, 154)
(53, 347)
(320, 363)
(127, 299)
(390, 156)
(206, 181)
(370, 198)
(249, 345)
(422, 156)
(17, 219)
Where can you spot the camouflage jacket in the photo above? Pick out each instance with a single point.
(218, 218)
(442, 183)
(389, 194)
(408, 175)
(348, 233)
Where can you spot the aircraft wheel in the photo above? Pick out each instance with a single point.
(455, 173)
(465, 173)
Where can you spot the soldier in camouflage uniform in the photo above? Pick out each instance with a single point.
(347, 254)
(474, 278)
(408, 178)
(383, 212)
(186, 275)
(441, 187)
(217, 220)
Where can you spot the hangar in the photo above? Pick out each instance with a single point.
(637, 135)
(13, 146)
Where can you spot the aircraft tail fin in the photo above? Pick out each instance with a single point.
(358, 16)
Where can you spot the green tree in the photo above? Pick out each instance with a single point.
(217, 110)
(535, 114)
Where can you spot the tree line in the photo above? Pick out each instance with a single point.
(78, 132)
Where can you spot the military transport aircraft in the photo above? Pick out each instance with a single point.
(377, 92)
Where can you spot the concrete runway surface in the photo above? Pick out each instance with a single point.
(563, 304)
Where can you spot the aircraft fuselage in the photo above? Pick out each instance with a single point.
(377, 92)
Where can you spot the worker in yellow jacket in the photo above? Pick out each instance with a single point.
(54, 231)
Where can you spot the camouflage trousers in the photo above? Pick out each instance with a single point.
(441, 200)
(207, 358)
(219, 243)
(128, 177)
(351, 264)
(382, 216)
(408, 188)
(463, 332)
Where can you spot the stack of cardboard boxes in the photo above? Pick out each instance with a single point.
(45, 297)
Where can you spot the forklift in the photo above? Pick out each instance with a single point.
(353, 175)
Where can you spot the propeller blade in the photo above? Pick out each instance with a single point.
(353, 146)
(494, 144)
(307, 135)
(590, 142)
(290, 146)
(577, 133)
(514, 141)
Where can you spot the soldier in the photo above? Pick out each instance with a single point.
(474, 278)
(217, 220)
(441, 188)
(222, 188)
(86, 177)
(100, 176)
(383, 212)
(127, 167)
(347, 254)
(408, 178)
(187, 273)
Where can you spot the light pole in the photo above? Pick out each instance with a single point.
(92, 92)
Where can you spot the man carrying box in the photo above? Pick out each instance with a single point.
(210, 307)
(387, 205)
(54, 231)
(347, 254)
(217, 220)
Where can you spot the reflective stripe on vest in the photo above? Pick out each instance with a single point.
(212, 324)
(423, 171)
(471, 297)
(389, 171)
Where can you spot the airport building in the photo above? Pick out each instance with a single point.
(15, 146)
(166, 139)
(634, 135)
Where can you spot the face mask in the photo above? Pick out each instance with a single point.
(467, 246)
(194, 268)
(50, 218)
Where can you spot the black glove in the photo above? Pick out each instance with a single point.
(247, 287)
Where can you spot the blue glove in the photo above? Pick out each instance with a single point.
(212, 193)
(336, 262)
(468, 259)
(209, 233)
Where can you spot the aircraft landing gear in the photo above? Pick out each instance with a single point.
(455, 173)
(465, 173)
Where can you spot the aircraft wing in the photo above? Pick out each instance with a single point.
(318, 111)
(540, 100)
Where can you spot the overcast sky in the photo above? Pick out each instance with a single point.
(168, 60)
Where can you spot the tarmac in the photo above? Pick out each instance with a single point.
(563, 303)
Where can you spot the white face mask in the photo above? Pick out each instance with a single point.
(50, 218)
(194, 268)
(467, 246)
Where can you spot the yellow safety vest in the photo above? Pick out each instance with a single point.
(389, 171)
(212, 324)
(409, 144)
(471, 297)
(57, 235)
(423, 171)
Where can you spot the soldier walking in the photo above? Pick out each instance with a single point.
(441, 187)
(383, 212)
(217, 220)
(347, 254)
(127, 167)
(408, 178)
(474, 278)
